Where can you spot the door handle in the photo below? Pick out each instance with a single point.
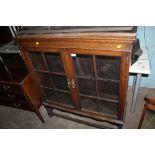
(71, 83)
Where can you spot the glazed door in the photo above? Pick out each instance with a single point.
(97, 77)
(87, 80)
(52, 76)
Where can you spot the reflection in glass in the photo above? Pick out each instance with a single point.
(54, 62)
(37, 60)
(109, 108)
(89, 104)
(57, 97)
(83, 65)
(108, 89)
(44, 79)
(86, 86)
(60, 82)
(108, 67)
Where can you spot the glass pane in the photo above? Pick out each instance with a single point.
(86, 86)
(44, 79)
(89, 104)
(100, 106)
(54, 62)
(108, 67)
(60, 82)
(58, 97)
(83, 65)
(108, 89)
(108, 107)
(37, 60)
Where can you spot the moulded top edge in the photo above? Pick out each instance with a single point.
(101, 35)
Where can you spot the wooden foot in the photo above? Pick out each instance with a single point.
(40, 116)
(49, 111)
(120, 126)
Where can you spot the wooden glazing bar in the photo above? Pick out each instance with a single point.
(63, 91)
(40, 71)
(56, 73)
(47, 69)
(98, 78)
(99, 98)
(95, 74)
(52, 73)
(59, 104)
(96, 81)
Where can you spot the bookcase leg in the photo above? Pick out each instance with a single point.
(120, 126)
(40, 116)
(49, 111)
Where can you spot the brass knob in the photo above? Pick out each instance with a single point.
(37, 43)
(119, 46)
(73, 83)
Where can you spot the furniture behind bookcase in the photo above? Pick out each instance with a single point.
(18, 88)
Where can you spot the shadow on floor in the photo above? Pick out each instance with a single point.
(11, 118)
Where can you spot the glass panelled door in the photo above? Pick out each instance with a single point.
(51, 76)
(97, 80)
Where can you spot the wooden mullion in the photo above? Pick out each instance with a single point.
(63, 91)
(98, 78)
(58, 74)
(48, 70)
(41, 71)
(95, 74)
(96, 81)
(99, 98)
(51, 73)
(46, 87)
